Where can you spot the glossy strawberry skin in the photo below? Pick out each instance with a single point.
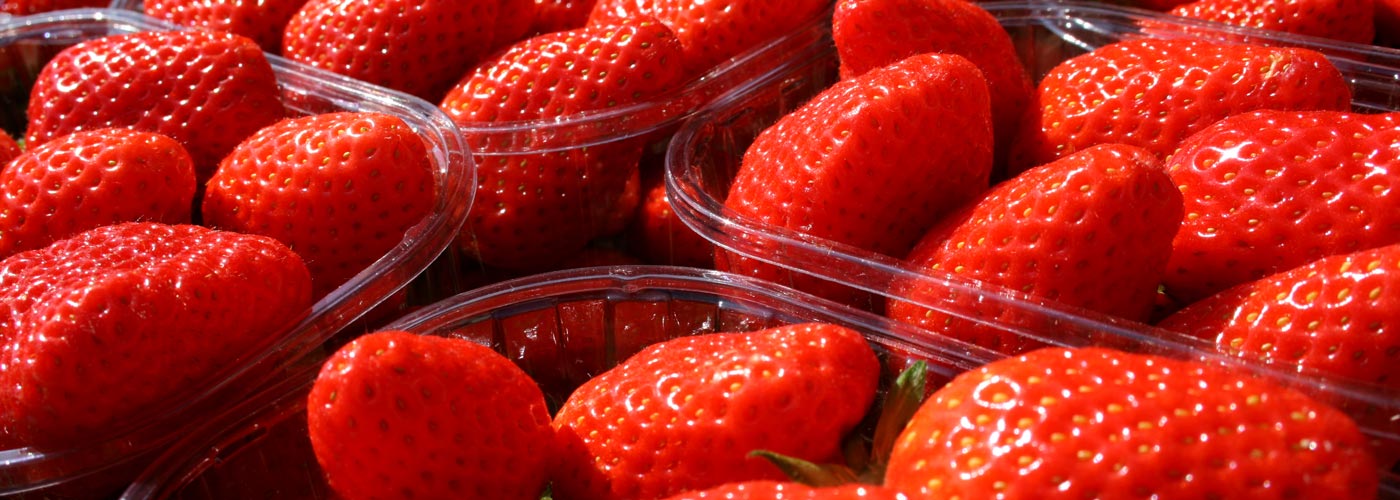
(1154, 93)
(340, 188)
(658, 234)
(219, 87)
(1345, 20)
(542, 196)
(1268, 191)
(683, 414)
(260, 20)
(417, 47)
(105, 327)
(821, 169)
(9, 149)
(1092, 230)
(769, 490)
(89, 179)
(713, 32)
(1059, 423)
(401, 415)
(560, 15)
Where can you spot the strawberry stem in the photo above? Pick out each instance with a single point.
(900, 405)
(808, 473)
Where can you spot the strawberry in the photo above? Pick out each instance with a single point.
(1345, 20)
(9, 149)
(769, 490)
(1153, 93)
(874, 33)
(713, 32)
(207, 90)
(28, 7)
(340, 188)
(915, 135)
(1090, 230)
(658, 234)
(260, 20)
(543, 196)
(1097, 423)
(560, 15)
(420, 47)
(89, 179)
(399, 415)
(1268, 191)
(108, 326)
(684, 414)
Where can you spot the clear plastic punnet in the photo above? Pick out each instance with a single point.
(107, 465)
(707, 152)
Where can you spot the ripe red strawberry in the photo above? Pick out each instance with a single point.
(207, 90)
(713, 32)
(560, 15)
(1153, 93)
(9, 149)
(658, 234)
(1268, 191)
(684, 414)
(871, 162)
(769, 490)
(260, 20)
(542, 196)
(874, 33)
(400, 415)
(1097, 423)
(420, 47)
(341, 189)
(108, 326)
(1345, 20)
(1091, 230)
(89, 179)
(28, 7)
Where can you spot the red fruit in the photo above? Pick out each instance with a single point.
(109, 326)
(1269, 191)
(260, 20)
(1061, 424)
(420, 47)
(770, 490)
(713, 32)
(400, 415)
(658, 234)
(89, 179)
(871, 162)
(27, 7)
(684, 414)
(874, 33)
(9, 149)
(1091, 230)
(1345, 20)
(207, 90)
(534, 207)
(1154, 93)
(341, 189)
(560, 15)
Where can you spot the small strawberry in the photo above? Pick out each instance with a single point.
(658, 234)
(1097, 423)
(770, 490)
(543, 196)
(89, 179)
(1153, 93)
(260, 20)
(713, 32)
(684, 414)
(9, 149)
(28, 7)
(207, 90)
(1345, 20)
(400, 415)
(341, 189)
(871, 162)
(420, 47)
(105, 327)
(1090, 230)
(1268, 191)
(560, 15)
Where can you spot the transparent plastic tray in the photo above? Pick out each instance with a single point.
(706, 154)
(31, 41)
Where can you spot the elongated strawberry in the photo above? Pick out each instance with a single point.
(541, 197)
(260, 20)
(420, 47)
(1345, 20)
(207, 90)
(874, 33)
(560, 15)
(1269, 191)
(400, 415)
(871, 162)
(1093, 422)
(89, 179)
(684, 414)
(1154, 93)
(713, 32)
(105, 327)
(341, 189)
(769, 490)
(9, 149)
